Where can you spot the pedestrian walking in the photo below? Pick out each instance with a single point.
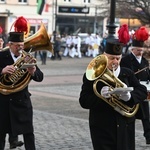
(89, 41)
(56, 40)
(78, 46)
(44, 57)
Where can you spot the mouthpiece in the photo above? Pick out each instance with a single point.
(113, 67)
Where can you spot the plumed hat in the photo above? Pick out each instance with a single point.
(139, 37)
(20, 28)
(114, 46)
(16, 37)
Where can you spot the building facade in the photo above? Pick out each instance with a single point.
(64, 16)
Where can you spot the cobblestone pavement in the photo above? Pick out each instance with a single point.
(59, 121)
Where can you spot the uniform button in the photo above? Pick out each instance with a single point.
(117, 125)
(10, 99)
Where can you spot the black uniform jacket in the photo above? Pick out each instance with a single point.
(130, 62)
(16, 114)
(109, 129)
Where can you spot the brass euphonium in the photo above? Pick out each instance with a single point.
(11, 83)
(97, 71)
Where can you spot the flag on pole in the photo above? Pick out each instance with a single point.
(40, 7)
(47, 7)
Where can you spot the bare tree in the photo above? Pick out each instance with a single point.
(139, 9)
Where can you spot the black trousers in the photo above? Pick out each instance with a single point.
(2, 141)
(44, 56)
(146, 120)
(29, 141)
(12, 138)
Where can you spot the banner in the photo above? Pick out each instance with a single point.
(40, 6)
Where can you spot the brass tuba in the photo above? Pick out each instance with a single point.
(97, 71)
(11, 83)
(38, 41)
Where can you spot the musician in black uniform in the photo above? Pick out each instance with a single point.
(109, 129)
(16, 112)
(136, 62)
(13, 140)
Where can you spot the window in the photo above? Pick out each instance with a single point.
(86, 1)
(131, 1)
(2, 1)
(67, 0)
(22, 1)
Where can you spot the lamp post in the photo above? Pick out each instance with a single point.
(85, 20)
(112, 26)
(8, 12)
(95, 20)
(55, 15)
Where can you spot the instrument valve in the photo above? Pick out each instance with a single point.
(16, 68)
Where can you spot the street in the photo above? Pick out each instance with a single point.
(59, 121)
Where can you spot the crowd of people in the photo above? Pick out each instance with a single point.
(90, 46)
(74, 46)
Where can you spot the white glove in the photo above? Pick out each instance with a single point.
(104, 92)
(125, 96)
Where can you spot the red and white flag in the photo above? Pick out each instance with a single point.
(48, 4)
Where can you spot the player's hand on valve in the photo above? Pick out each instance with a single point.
(125, 96)
(104, 92)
